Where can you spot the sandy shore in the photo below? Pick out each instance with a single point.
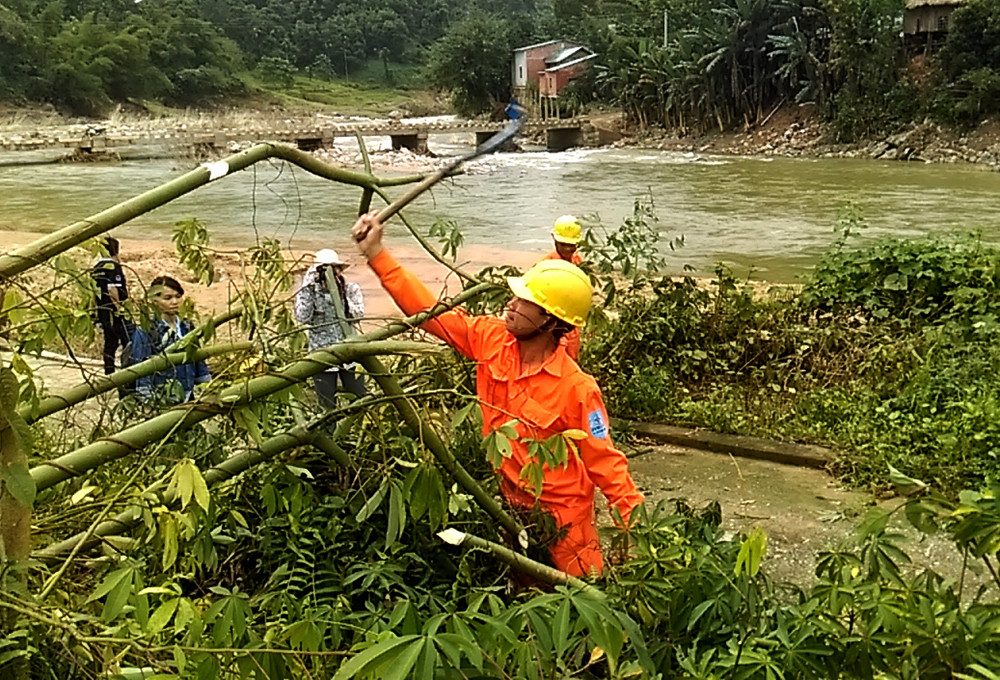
(143, 260)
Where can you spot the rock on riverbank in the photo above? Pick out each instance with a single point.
(798, 131)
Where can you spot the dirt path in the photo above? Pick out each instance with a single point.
(804, 511)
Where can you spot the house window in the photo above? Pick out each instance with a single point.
(919, 27)
(520, 72)
(942, 23)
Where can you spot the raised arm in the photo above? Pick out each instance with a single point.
(304, 301)
(455, 327)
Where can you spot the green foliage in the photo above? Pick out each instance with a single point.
(864, 49)
(302, 567)
(972, 40)
(913, 282)
(472, 61)
(886, 352)
(724, 61)
(191, 240)
(276, 70)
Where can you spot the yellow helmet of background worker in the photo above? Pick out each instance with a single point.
(558, 287)
(566, 230)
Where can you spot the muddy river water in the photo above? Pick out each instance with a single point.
(774, 215)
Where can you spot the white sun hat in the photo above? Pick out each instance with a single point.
(328, 256)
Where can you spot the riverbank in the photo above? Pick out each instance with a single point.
(795, 132)
(790, 131)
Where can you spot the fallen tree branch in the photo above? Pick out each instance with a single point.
(526, 565)
(26, 257)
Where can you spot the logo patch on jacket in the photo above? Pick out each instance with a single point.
(598, 428)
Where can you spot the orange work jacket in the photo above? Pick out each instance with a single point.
(554, 255)
(547, 399)
(571, 339)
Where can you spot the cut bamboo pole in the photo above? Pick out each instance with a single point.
(16, 493)
(87, 390)
(33, 254)
(425, 433)
(300, 435)
(526, 565)
(16, 496)
(49, 473)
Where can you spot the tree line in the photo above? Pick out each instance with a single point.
(677, 63)
(702, 63)
(83, 55)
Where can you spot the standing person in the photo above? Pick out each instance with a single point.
(566, 236)
(524, 372)
(315, 309)
(175, 384)
(111, 293)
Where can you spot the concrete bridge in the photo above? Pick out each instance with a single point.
(559, 135)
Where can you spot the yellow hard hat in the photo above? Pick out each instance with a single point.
(558, 287)
(566, 230)
(252, 365)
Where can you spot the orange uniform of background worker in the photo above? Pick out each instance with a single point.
(523, 372)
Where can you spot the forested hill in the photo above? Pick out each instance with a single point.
(83, 55)
(691, 64)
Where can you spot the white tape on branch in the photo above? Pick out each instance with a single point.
(216, 170)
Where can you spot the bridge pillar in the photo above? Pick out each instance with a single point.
(414, 141)
(93, 144)
(560, 139)
(483, 136)
(310, 143)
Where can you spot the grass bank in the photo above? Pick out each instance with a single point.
(888, 353)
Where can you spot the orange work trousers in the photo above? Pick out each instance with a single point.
(578, 550)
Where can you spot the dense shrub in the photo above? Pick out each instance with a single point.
(888, 353)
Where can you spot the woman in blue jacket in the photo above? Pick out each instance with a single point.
(175, 384)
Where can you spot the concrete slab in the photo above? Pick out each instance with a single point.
(806, 455)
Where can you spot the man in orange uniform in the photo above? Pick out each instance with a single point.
(566, 235)
(523, 372)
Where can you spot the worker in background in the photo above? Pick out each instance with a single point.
(315, 308)
(111, 295)
(523, 372)
(566, 235)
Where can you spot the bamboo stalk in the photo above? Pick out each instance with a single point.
(425, 433)
(526, 565)
(15, 517)
(49, 473)
(42, 249)
(432, 440)
(126, 376)
(300, 435)
(15, 494)
(15, 512)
